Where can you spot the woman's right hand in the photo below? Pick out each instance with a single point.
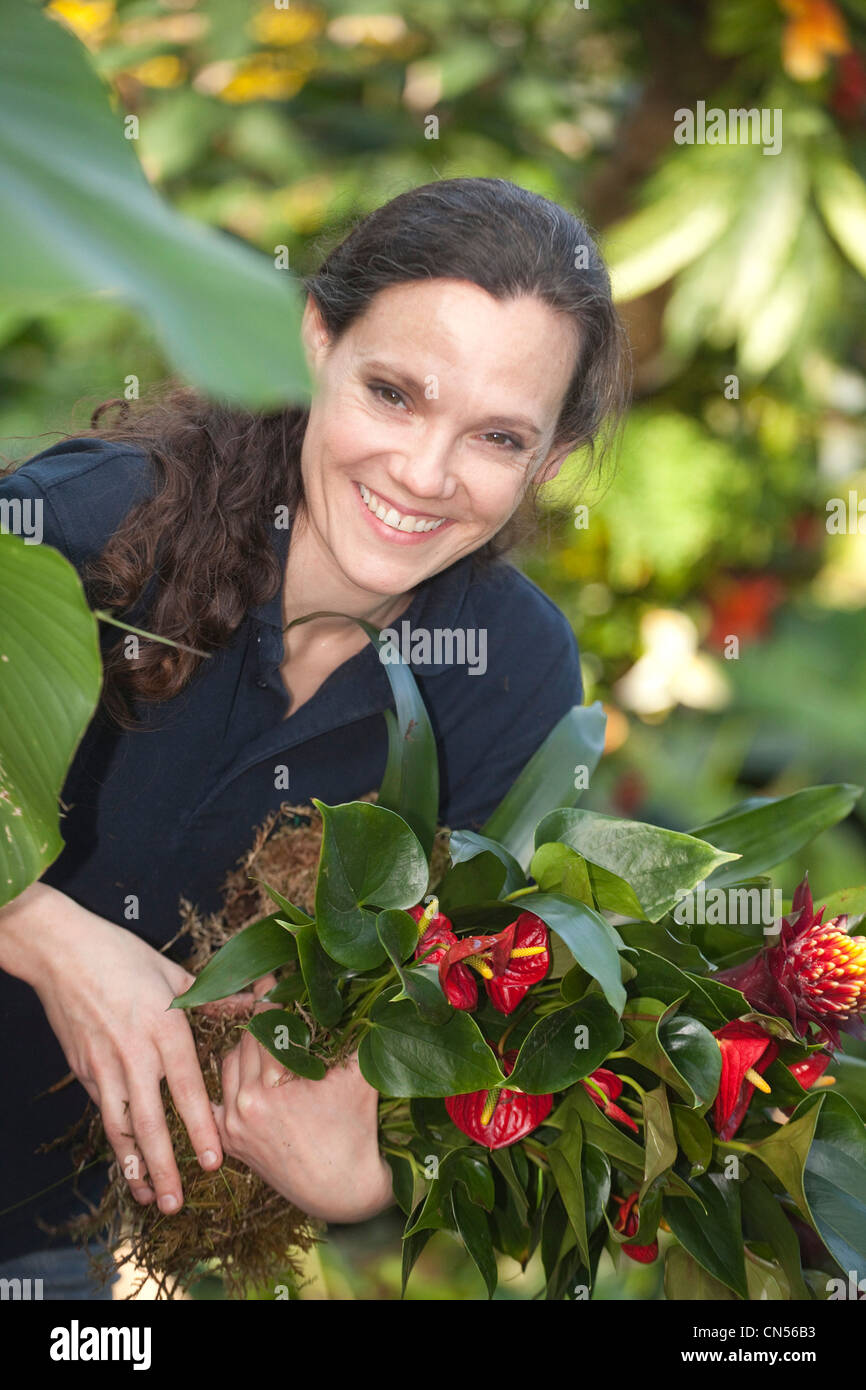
(106, 994)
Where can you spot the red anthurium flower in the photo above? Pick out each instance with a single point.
(628, 1221)
(458, 982)
(816, 973)
(746, 1051)
(509, 962)
(609, 1082)
(500, 1117)
(520, 960)
(811, 1069)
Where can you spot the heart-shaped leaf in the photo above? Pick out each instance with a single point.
(403, 1055)
(370, 859)
(564, 1046)
(660, 865)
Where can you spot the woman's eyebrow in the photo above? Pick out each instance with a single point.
(403, 378)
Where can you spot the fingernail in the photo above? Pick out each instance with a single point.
(208, 1159)
(168, 1203)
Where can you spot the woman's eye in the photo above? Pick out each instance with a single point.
(504, 441)
(389, 394)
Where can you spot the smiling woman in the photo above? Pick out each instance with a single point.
(462, 343)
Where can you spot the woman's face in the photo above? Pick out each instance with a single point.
(430, 417)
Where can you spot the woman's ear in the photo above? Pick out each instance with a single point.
(314, 334)
(552, 464)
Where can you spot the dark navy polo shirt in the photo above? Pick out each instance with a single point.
(165, 811)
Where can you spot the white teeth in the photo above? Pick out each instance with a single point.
(393, 518)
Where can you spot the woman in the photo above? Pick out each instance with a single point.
(461, 342)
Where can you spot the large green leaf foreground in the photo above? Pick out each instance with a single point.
(78, 215)
(49, 685)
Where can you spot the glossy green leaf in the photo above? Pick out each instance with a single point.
(589, 938)
(548, 779)
(765, 1222)
(402, 1179)
(660, 865)
(686, 1279)
(659, 1138)
(564, 1156)
(465, 845)
(599, 1130)
(402, 1055)
(834, 1182)
(559, 869)
(564, 1046)
(294, 915)
(287, 1038)
(50, 673)
(258, 949)
(472, 881)
(715, 1240)
(320, 977)
(370, 859)
(684, 1054)
(694, 1137)
(80, 216)
(413, 1244)
(765, 833)
(473, 1227)
(786, 1149)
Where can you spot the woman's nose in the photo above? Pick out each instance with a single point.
(426, 470)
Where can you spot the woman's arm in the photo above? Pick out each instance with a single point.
(106, 994)
(316, 1142)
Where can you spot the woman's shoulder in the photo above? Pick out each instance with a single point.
(518, 615)
(84, 488)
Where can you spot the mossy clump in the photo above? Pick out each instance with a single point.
(231, 1219)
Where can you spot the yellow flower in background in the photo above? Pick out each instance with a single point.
(267, 77)
(167, 70)
(89, 20)
(286, 27)
(815, 32)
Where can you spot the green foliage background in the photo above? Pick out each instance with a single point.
(279, 126)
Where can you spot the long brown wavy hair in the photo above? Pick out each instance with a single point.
(206, 532)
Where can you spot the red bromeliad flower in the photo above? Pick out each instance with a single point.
(499, 1117)
(509, 962)
(610, 1083)
(628, 1221)
(746, 1051)
(459, 985)
(816, 973)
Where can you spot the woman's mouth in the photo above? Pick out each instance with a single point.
(404, 523)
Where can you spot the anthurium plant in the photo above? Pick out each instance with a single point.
(573, 1052)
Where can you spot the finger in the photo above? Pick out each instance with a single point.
(264, 984)
(241, 1003)
(230, 1076)
(250, 1060)
(189, 1093)
(151, 1132)
(116, 1121)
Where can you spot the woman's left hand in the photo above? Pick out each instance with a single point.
(315, 1142)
